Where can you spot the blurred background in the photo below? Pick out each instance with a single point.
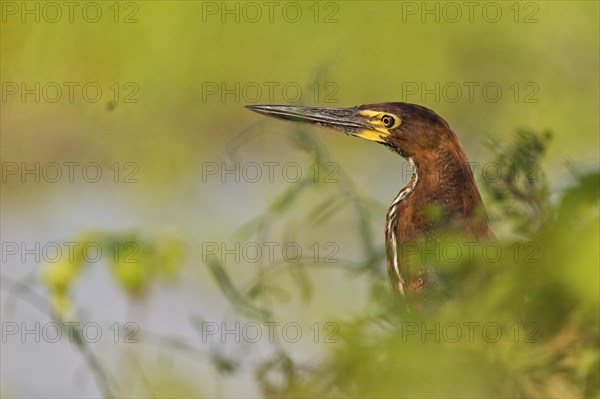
(151, 226)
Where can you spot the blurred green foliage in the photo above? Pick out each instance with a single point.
(524, 324)
(523, 194)
(135, 264)
(368, 54)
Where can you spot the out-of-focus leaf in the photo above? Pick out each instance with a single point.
(170, 256)
(231, 293)
(326, 208)
(302, 280)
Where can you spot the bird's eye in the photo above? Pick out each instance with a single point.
(388, 120)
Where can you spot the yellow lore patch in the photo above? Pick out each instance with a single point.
(378, 131)
(373, 135)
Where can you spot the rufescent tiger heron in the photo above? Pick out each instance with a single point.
(441, 179)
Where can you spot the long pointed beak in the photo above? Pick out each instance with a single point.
(346, 120)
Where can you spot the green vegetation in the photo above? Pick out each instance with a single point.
(522, 322)
(528, 321)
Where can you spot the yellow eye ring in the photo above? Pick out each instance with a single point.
(388, 120)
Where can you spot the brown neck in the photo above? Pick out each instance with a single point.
(441, 195)
(445, 195)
